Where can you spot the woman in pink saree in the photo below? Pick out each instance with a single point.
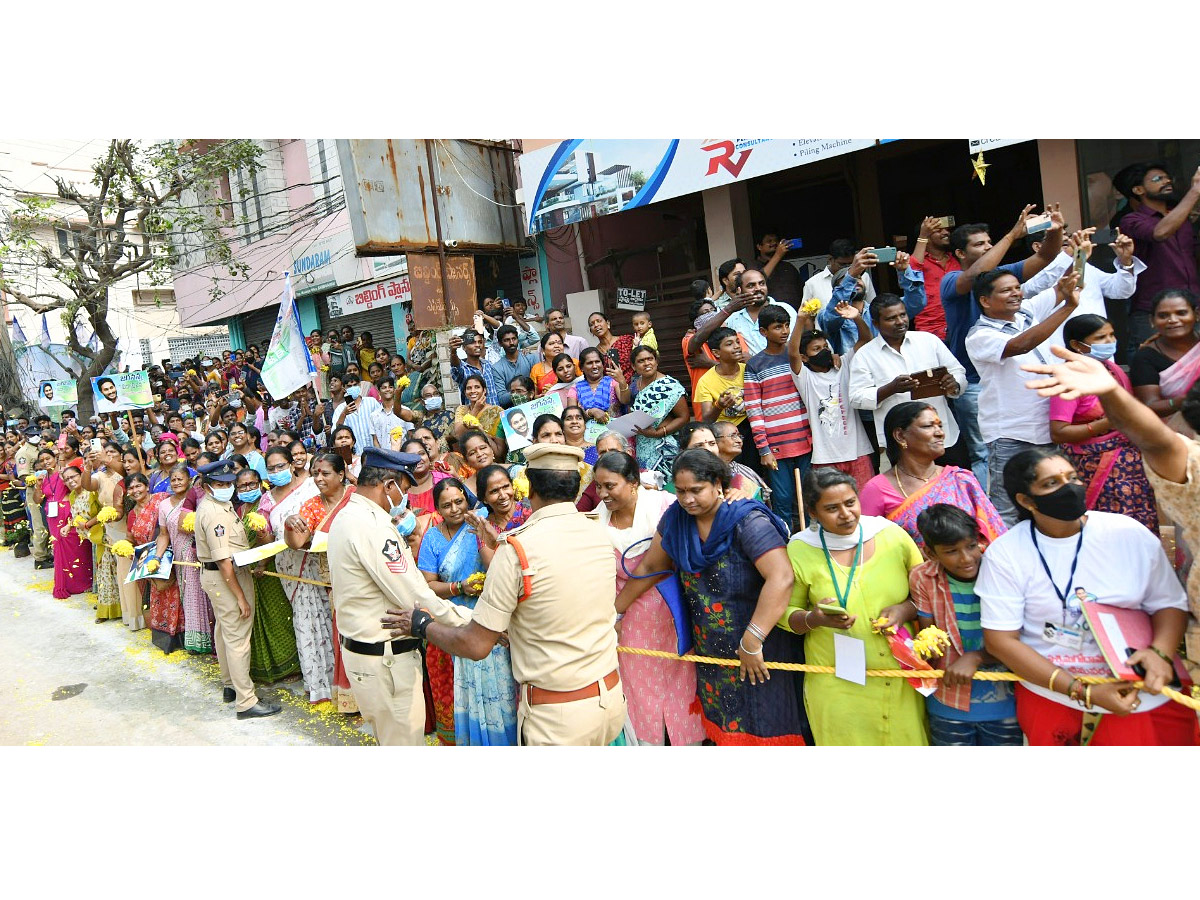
(72, 554)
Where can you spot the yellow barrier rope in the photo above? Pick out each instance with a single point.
(1175, 695)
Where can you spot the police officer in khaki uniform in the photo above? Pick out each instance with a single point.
(371, 568)
(557, 610)
(26, 460)
(219, 535)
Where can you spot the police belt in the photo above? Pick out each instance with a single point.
(538, 696)
(403, 645)
(212, 567)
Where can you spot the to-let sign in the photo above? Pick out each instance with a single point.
(430, 309)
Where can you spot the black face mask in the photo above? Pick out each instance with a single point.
(822, 360)
(1066, 504)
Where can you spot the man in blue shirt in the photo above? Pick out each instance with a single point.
(973, 248)
(471, 343)
(513, 362)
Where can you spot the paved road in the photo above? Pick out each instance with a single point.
(113, 686)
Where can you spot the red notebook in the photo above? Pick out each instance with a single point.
(1120, 632)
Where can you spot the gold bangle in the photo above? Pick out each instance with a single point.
(1053, 676)
(1087, 697)
(922, 240)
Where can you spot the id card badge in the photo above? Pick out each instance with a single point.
(1063, 635)
(52, 509)
(849, 658)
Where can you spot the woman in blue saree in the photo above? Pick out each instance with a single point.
(484, 694)
(666, 402)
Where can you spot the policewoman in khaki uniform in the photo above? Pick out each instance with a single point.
(219, 535)
(371, 568)
(555, 608)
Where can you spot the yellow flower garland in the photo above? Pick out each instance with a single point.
(189, 523)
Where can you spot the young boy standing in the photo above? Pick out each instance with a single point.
(719, 392)
(777, 414)
(962, 712)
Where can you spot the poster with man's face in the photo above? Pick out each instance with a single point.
(57, 393)
(121, 391)
(518, 421)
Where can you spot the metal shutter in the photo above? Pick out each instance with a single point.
(258, 325)
(377, 321)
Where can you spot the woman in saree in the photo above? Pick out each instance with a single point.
(574, 426)
(420, 498)
(106, 476)
(544, 374)
(1107, 462)
(165, 616)
(666, 402)
(505, 511)
(273, 654)
(598, 391)
(737, 580)
(661, 693)
(311, 619)
(617, 350)
(915, 440)
(487, 415)
(72, 553)
(482, 694)
(198, 616)
(98, 479)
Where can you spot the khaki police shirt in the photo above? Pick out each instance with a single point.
(219, 531)
(562, 638)
(26, 459)
(372, 569)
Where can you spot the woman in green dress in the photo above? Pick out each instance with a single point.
(273, 654)
(860, 564)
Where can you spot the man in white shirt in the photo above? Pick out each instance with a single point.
(1008, 335)
(360, 413)
(392, 415)
(573, 344)
(820, 286)
(1098, 285)
(751, 286)
(881, 373)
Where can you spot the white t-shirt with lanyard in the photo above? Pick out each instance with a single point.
(1035, 589)
(1008, 409)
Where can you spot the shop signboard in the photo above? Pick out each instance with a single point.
(430, 309)
(369, 296)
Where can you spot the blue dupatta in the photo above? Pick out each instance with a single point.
(681, 537)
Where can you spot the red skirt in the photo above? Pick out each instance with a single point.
(1050, 724)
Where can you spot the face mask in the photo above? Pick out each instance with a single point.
(1066, 504)
(824, 359)
(1103, 351)
(224, 495)
(279, 479)
(400, 508)
(235, 404)
(407, 524)
(518, 399)
(433, 403)
(250, 496)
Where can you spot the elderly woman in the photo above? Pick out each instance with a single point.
(505, 510)
(736, 578)
(483, 694)
(857, 565)
(599, 391)
(436, 417)
(915, 440)
(198, 619)
(1108, 462)
(72, 553)
(1032, 585)
(661, 693)
(102, 474)
(666, 402)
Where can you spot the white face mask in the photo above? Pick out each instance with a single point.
(433, 402)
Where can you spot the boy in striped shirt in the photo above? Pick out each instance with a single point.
(778, 419)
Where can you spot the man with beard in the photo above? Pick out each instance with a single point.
(751, 286)
(933, 258)
(1163, 235)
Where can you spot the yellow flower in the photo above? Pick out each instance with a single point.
(80, 521)
(31, 480)
(930, 642)
(812, 307)
(470, 421)
(189, 523)
(107, 514)
(403, 383)
(152, 566)
(122, 548)
(256, 522)
(324, 368)
(191, 371)
(520, 486)
(880, 626)
(397, 433)
(476, 581)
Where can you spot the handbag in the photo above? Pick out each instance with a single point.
(671, 590)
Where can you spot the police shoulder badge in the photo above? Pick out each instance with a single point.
(219, 531)
(394, 557)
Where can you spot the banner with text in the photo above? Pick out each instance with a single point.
(371, 296)
(57, 393)
(121, 391)
(584, 178)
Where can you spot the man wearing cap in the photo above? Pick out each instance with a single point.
(26, 460)
(371, 569)
(219, 535)
(548, 587)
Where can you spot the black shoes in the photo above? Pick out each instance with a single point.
(44, 564)
(228, 695)
(260, 710)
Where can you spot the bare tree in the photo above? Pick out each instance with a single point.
(134, 218)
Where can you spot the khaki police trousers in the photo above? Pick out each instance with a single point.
(590, 722)
(231, 633)
(388, 692)
(41, 534)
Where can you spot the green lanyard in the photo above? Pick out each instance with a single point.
(842, 596)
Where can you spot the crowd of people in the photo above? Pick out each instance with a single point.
(846, 468)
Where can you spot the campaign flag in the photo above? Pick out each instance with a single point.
(44, 340)
(288, 364)
(18, 336)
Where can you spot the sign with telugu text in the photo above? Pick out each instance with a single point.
(631, 299)
(57, 393)
(370, 296)
(430, 309)
(531, 284)
(121, 391)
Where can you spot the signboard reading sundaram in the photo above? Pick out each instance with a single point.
(425, 284)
